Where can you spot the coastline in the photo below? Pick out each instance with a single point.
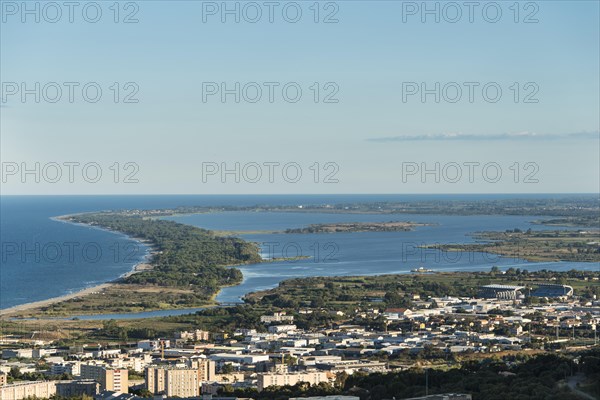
(108, 288)
(144, 265)
(65, 219)
(80, 293)
(44, 303)
(113, 288)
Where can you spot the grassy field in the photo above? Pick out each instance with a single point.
(583, 246)
(121, 298)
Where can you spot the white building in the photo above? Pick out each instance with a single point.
(23, 390)
(282, 328)
(275, 379)
(71, 368)
(276, 317)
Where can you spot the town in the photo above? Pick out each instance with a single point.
(434, 332)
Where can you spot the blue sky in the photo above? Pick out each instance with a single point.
(369, 139)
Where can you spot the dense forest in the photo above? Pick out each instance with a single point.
(542, 377)
(184, 256)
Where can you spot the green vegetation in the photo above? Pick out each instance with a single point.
(320, 295)
(540, 377)
(189, 266)
(580, 246)
(15, 375)
(187, 255)
(591, 221)
(348, 293)
(123, 298)
(490, 379)
(577, 208)
(392, 226)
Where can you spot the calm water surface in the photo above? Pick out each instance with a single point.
(43, 258)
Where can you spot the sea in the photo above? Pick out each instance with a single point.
(42, 257)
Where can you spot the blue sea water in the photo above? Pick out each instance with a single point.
(43, 258)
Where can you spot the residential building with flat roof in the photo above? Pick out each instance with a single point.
(179, 382)
(276, 379)
(110, 379)
(23, 390)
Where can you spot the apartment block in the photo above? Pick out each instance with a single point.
(206, 369)
(196, 335)
(173, 382)
(276, 317)
(24, 390)
(114, 380)
(71, 368)
(77, 388)
(275, 379)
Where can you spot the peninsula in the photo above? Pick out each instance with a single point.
(548, 245)
(188, 267)
(391, 226)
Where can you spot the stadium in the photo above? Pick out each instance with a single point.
(512, 292)
(552, 290)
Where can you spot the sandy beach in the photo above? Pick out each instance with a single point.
(143, 266)
(81, 293)
(47, 302)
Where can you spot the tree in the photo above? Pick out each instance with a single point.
(227, 369)
(141, 393)
(340, 379)
(15, 373)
